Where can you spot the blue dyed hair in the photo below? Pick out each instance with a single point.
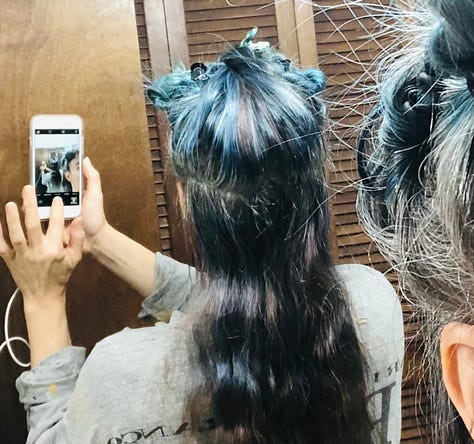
(279, 357)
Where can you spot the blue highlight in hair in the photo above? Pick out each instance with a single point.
(216, 148)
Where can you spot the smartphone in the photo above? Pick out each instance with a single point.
(56, 153)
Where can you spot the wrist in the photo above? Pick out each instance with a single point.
(38, 304)
(48, 330)
(94, 244)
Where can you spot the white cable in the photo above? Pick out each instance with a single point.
(8, 340)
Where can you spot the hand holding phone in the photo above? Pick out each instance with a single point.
(56, 143)
(40, 263)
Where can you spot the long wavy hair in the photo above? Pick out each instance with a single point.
(416, 163)
(279, 358)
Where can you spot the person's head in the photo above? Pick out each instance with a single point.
(416, 158)
(71, 168)
(278, 351)
(55, 170)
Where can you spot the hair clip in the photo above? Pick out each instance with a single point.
(286, 63)
(421, 95)
(261, 47)
(198, 73)
(249, 37)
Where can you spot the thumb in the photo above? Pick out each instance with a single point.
(76, 238)
(91, 174)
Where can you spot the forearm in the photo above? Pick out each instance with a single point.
(126, 258)
(48, 329)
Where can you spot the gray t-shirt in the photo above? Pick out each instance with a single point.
(134, 385)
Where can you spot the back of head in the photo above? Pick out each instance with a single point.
(278, 351)
(415, 158)
(253, 144)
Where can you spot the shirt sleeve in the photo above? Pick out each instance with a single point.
(173, 290)
(45, 392)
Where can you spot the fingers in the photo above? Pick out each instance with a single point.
(5, 250)
(32, 220)
(76, 238)
(93, 178)
(56, 222)
(17, 237)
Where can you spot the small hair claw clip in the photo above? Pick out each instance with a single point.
(198, 73)
(285, 63)
(257, 47)
(249, 37)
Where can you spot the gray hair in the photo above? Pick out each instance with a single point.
(416, 162)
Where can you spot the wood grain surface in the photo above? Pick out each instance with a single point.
(83, 58)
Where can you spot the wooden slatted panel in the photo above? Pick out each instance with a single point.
(214, 25)
(156, 155)
(346, 51)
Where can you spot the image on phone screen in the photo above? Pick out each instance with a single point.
(57, 165)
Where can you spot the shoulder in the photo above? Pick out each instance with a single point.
(155, 358)
(362, 277)
(141, 353)
(147, 368)
(161, 338)
(375, 306)
(367, 287)
(378, 321)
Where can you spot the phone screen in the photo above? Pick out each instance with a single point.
(57, 165)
